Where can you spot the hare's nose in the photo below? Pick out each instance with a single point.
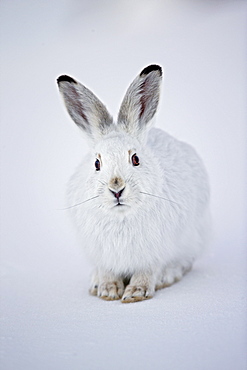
(118, 194)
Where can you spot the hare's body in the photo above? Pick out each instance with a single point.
(142, 211)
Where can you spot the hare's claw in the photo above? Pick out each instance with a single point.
(111, 291)
(136, 294)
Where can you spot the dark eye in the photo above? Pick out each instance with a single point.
(97, 165)
(135, 160)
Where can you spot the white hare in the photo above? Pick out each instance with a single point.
(140, 197)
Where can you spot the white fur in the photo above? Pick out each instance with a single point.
(152, 239)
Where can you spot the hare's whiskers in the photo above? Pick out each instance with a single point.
(157, 196)
(103, 183)
(78, 204)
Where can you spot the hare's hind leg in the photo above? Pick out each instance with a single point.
(172, 274)
(93, 290)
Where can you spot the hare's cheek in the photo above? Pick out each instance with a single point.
(105, 196)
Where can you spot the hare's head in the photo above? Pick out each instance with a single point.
(122, 166)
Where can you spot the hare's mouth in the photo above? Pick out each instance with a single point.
(121, 206)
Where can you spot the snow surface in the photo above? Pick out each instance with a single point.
(48, 320)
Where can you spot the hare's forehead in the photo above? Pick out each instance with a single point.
(116, 145)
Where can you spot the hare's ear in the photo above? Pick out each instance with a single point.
(84, 107)
(141, 100)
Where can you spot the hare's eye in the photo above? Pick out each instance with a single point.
(97, 165)
(135, 160)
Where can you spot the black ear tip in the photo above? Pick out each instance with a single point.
(66, 79)
(151, 68)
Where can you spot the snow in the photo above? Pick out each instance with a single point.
(48, 320)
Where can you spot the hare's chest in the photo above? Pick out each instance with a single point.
(123, 247)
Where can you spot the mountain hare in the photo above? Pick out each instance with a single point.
(140, 197)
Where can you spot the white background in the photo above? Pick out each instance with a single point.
(48, 320)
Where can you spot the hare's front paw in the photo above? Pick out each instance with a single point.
(106, 286)
(111, 291)
(141, 287)
(135, 293)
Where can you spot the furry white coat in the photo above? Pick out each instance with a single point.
(140, 199)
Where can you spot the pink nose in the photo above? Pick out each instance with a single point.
(118, 194)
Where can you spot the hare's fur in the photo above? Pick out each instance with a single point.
(142, 225)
